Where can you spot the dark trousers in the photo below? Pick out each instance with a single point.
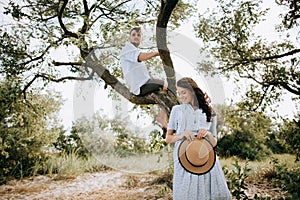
(151, 85)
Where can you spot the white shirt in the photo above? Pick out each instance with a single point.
(135, 72)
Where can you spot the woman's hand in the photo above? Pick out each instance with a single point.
(202, 133)
(189, 135)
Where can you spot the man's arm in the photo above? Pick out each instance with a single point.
(146, 56)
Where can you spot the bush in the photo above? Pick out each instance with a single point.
(243, 145)
(69, 144)
(236, 179)
(27, 128)
(277, 145)
(285, 178)
(290, 133)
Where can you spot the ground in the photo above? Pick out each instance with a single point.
(108, 185)
(101, 186)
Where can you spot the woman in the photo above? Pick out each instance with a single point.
(194, 118)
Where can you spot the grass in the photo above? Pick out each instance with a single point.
(69, 165)
(158, 184)
(72, 164)
(275, 177)
(258, 167)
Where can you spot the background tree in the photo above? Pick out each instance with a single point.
(27, 127)
(270, 66)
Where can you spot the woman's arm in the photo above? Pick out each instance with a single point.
(171, 138)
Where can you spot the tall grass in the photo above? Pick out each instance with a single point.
(70, 164)
(260, 166)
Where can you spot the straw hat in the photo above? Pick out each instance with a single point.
(197, 156)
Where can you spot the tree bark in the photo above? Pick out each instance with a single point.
(166, 9)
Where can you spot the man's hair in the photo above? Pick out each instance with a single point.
(137, 29)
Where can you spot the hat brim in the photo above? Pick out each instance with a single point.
(196, 169)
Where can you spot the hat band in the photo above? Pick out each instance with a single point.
(192, 163)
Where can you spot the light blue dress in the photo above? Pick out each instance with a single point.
(187, 186)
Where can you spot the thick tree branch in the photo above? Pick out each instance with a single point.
(290, 53)
(119, 87)
(167, 6)
(62, 25)
(87, 11)
(244, 61)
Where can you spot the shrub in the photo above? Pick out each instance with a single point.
(236, 179)
(285, 178)
(72, 143)
(242, 144)
(27, 127)
(276, 144)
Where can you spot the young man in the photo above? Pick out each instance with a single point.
(135, 70)
(136, 73)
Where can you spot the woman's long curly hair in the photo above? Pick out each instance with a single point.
(201, 99)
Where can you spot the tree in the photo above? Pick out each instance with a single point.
(27, 127)
(88, 31)
(270, 66)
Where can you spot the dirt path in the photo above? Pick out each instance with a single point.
(102, 186)
(108, 185)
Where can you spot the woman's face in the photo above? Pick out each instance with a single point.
(185, 95)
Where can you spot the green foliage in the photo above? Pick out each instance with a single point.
(284, 177)
(270, 66)
(244, 134)
(27, 128)
(292, 13)
(12, 52)
(276, 144)
(290, 133)
(129, 144)
(117, 136)
(241, 144)
(286, 138)
(236, 179)
(69, 144)
(157, 142)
